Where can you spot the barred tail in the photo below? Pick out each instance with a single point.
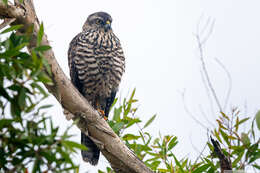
(92, 154)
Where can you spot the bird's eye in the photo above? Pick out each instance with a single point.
(98, 21)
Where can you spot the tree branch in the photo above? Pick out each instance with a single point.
(121, 158)
(225, 163)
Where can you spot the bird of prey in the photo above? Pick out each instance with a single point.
(96, 63)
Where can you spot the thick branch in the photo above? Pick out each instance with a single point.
(121, 158)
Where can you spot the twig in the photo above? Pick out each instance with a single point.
(207, 93)
(204, 68)
(190, 114)
(229, 82)
(6, 22)
(196, 149)
(204, 115)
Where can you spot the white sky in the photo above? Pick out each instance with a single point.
(162, 57)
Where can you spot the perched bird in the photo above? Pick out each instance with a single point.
(96, 62)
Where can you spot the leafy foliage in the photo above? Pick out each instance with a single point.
(28, 138)
(158, 153)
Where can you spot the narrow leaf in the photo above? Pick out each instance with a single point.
(12, 28)
(5, 1)
(74, 145)
(40, 35)
(149, 121)
(42, 48)
(257, 118)
(172, 143)
(245, 139)
(130, 137)
(202, 168)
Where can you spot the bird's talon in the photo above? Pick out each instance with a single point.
(105, 118)
(102, 114)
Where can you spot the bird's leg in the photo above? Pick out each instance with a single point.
(102, 112)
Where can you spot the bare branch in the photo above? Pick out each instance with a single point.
(208, 93)
(229, 81)
(121, 158)
(203, 65)
(6, 22)
(205, 116)
(190, 114)
(200, 156)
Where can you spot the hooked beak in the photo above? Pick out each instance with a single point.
(107, 26)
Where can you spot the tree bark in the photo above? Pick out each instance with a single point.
(121, 158)
(225, 163)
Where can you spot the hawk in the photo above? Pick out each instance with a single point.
(96, 63)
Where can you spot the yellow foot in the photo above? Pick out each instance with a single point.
(102, 114)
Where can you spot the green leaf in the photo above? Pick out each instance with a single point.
(45, 107)
(255, 156)
(240, 155)
(178, 164)
(65, 155)
(41, 89)
(73, 144)
(48, 155)
(243, 120)
(245, 139)
(216, 134)
(42, 48)
(172, 143)
(5, 122)
(40, 35)
(132, 95)
(114, 102)
(5, 1)
(12, 28)
(117, 112)
(256, 166)
(149, 121)
(162, 170)
(155, 164)
(36, 166)
(236, 125)
(47, 66)
(224, 115)
(44, 78)
(225, 137)
(118, 126)
(202, 168)
(21, 98)
(130, 137)
(133, 121)
(257, 118)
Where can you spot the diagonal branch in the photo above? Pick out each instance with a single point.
(121, 158)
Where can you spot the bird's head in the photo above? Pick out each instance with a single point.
(99, 20)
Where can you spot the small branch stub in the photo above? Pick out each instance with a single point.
(225, 163)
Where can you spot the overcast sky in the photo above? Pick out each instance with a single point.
(162, 58)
